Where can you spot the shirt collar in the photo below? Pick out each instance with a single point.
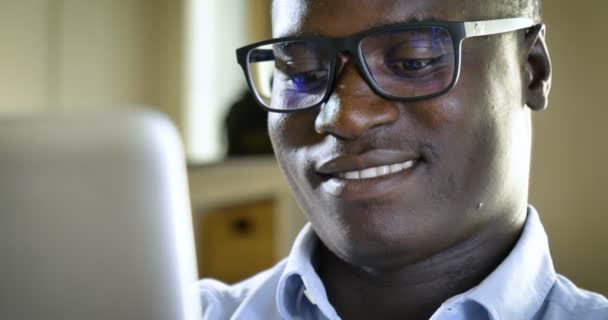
(515, 290)
(519, 286)
(299, 284)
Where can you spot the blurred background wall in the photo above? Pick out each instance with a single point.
(78, 55)
(178, 57)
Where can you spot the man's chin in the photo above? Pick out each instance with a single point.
(378, 261)
(379, 253)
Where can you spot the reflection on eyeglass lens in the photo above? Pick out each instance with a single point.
(408, 62)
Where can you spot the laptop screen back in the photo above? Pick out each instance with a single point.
(95, 221)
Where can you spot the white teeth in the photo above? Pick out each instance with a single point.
(396, 167)
(376, 171)
(369, 173)
(408, 164)
(351, 175)
(384, 170)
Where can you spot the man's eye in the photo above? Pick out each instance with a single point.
(309, 80)
(412, 67)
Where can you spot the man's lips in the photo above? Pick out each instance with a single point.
(371, 164)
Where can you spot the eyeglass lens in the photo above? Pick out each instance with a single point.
(403, 63)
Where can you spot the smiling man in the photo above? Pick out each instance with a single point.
(404, 130)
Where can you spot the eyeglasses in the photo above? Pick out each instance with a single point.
(409, 61)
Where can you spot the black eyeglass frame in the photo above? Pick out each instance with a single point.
(458, 31)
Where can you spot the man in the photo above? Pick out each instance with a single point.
(406, 140)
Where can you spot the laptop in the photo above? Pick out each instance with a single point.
(95, 219)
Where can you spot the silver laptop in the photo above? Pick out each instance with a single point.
(95, 219)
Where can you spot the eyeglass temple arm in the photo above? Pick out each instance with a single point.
(490, 27)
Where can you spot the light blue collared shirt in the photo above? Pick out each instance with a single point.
(524, 286)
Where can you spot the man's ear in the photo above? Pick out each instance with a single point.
(538, 69)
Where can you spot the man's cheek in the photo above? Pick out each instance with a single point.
(293, 130)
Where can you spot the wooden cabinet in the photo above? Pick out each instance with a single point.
(236, 241)
(245, 218)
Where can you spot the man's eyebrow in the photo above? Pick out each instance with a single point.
(372, 26)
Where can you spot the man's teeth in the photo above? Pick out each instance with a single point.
(376, 171)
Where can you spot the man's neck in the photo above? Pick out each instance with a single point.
(415, 290)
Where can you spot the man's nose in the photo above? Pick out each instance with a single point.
(354, 108)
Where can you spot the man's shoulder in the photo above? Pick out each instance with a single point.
(223, 301)
(567, 301)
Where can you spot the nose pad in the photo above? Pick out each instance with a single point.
(353, 108)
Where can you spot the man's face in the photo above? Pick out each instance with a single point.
(468, 149)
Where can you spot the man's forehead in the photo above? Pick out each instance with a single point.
(344, 17)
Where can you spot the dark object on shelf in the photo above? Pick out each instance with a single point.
(246, 128)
